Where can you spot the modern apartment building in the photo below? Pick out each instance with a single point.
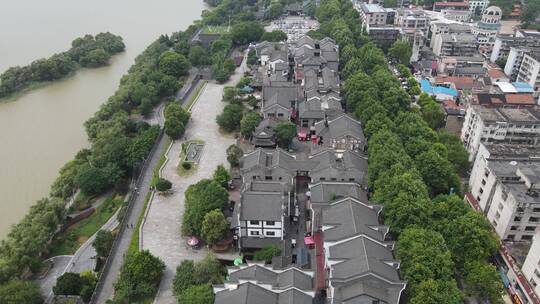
(531, 266)
(455, 45)
(499, 125)
(529, 71)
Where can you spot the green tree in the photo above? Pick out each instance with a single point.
(274, 36)
(214, 226)
(201, 198)
(221, 176)
(274, 10)
(423, 255)
(437, 292)
(197, 294)
(457, 154)
(103, 243)
(174, 128)
(198, 56)
(390, 3)
(140, 276)
(89, 280)
(173, 64)
(229, 119)
(185, 277)
(95, 58)
(163, 185)
(245, 32)
(252, 57)
(92, 180)
(469, 237)
(230, 94)
(17, 291)
(437, 172)
(68, 284)
(233, 155)
(285, 132)
(266, 254)
(405, 211)
(401, 51)
(210, 270)
(434, 115)
(249, 122)
(483, 281)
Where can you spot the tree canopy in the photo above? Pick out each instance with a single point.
(201, 198)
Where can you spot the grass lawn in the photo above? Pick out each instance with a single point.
(215, 29)
(134, 245)
(160, 163)
(69, 241)
(194, 97)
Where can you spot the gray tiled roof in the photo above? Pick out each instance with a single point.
(279, 279)
(348, 217)
(364, 268)
(325, 192)
(266, 159)
(279, 95)
(344, 125)
(266, 206)
(332, 166)
(250, 293)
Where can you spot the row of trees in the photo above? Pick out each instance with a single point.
(118, 145)
(204, 202)
(140, 276)
(411, 172)
(87, 51)
(75, 284)
(193, 281)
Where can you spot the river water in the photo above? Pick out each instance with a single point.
(42, 130)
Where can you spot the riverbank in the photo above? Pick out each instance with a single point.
(42, 129)
(87, 51)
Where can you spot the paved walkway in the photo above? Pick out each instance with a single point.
(161, 232)
(82, 260)
(124, 239)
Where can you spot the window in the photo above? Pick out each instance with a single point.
(497, 215)
(270, 233)
(483, 182)
(500, 206)
(280, 115)
(270, 223)
(481, 190)
(536, 209)
(517, 219)
(514, 228)
(322, 179)
(254, 222)
(486, 173)
(351, 179)
(478, 198)
(530, 228)
(533, 219)
(268, 178)
(494, 222)
(254, 233)
(333, 179)
(527, 237)
(510, 237)
(533, 283)
(271, 114)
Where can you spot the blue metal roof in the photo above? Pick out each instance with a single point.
(426, 87)
(523, 87)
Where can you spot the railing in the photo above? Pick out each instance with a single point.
(132, 198)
